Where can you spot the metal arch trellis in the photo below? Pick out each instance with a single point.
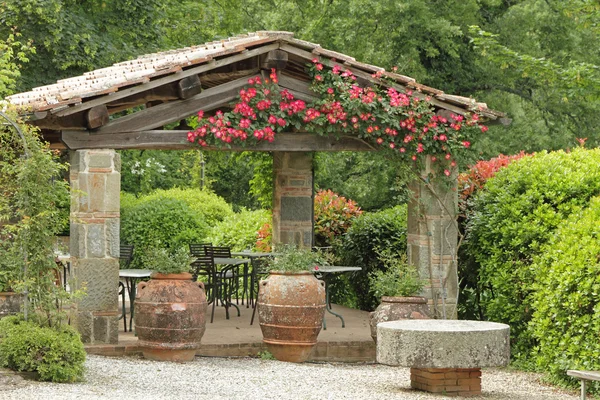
(27, 155)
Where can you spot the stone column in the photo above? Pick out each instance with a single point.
(293, 198)
(433, 240)
(94, 245)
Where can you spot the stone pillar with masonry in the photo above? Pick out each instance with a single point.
(432, 240)
(94, 244)
(293, 198)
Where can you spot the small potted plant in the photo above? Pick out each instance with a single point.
(291, 304)
(398, 286)
(170, 309)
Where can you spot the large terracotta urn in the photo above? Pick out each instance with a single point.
(394, 308)
(170, 317)
(291, 306)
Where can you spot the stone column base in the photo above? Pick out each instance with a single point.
(449, 381)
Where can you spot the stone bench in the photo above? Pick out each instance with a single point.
(584, 376)
(444, 356)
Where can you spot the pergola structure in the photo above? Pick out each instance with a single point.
(80, 114)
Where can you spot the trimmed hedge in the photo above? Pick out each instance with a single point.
(210, 206)
(566, 321)
(161, 222)
(513, 218)
(56, 354)
(369, 233)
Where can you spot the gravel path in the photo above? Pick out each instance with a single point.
(249, 379)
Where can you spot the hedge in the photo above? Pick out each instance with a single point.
(566, 321)
(370, 232)
(161, 222)
(513, 218)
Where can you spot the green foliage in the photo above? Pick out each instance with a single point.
(334, 214)
(513, 218)
(373, 179)
(56, 354)
(12, 52)
(166, 261)
(566, 298)
(398, 279)
(162, 221)
(266, 355)
(211, 207)
(371, 233)
(239, 230)
(290, 258)
(32, 187)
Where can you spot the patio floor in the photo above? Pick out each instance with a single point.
(237, 338)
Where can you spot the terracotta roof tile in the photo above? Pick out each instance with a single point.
(142, 69)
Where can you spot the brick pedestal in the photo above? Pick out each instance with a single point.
(449, 381)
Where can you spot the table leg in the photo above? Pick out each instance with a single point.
(328, 307)
(131, 290)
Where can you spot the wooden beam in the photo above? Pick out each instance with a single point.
(177, 140)
(168, 79)
(97, 117)
(296, 85)
(188, 87)
(276, 59)
(160, 115)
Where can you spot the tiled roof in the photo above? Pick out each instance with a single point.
(72, 91)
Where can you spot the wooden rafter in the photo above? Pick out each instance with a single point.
(177, 140)
(160, 115)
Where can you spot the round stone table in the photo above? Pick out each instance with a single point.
(444, 356)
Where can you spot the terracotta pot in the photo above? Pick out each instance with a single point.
(397, 308)
(291, 306)
(10, 303)
(170, 317)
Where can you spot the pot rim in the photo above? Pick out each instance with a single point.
(404, 299)
(182, 276)
(277, 272)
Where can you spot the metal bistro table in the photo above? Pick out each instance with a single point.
(253, 256)
(235, 262)
(132, 276)
(325, 273)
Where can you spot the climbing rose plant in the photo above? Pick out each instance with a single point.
(403, 122)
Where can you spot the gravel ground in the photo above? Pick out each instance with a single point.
(249, 379)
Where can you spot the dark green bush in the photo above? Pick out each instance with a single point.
(56, 354)
(513, 217)
(161, 222)
(239, 231)
(566, 320)
(370, 233)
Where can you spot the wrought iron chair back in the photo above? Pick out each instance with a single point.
(197, 249)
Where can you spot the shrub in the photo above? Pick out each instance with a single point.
(211, 207)
(56, 354)
(566, 320)
(333, 216)
(369, 234)
(513, 217)
(469, 184)
(239, 231)
(164, 222)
